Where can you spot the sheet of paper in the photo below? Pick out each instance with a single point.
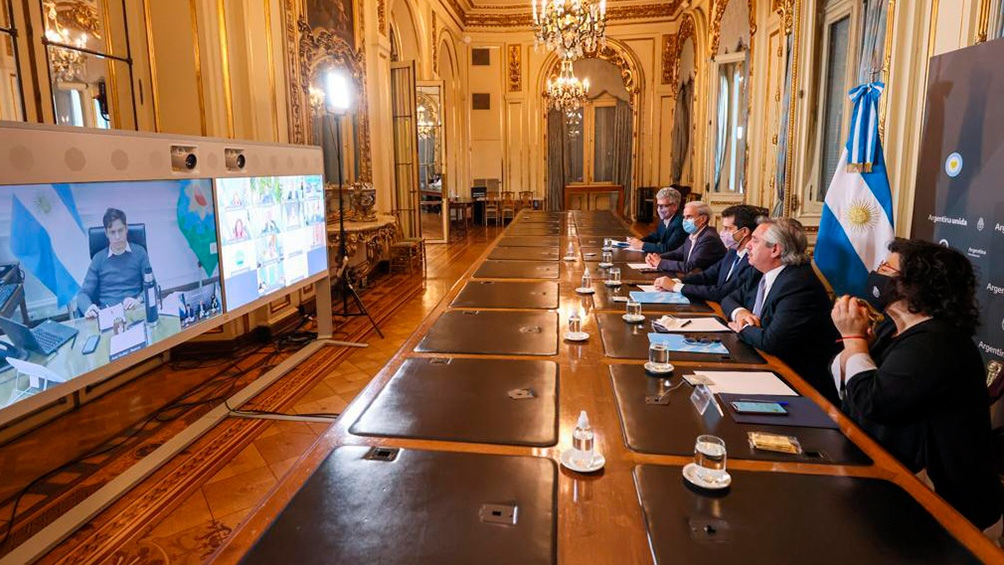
(128, 341)
(747, 382)
(696, 324)
(647, 287)
(35, 371)
(106, 316)
(642, 267)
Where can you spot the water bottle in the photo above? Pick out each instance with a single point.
(582, 442)
(150, 293)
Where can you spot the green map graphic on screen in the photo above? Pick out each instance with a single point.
(198, 224)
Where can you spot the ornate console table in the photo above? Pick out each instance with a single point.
(367, 243)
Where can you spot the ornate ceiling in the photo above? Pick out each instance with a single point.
(516, 13)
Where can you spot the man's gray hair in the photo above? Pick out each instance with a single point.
(669, 193)
(790, 235)
(700, 208)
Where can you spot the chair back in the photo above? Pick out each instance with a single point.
(97, 240)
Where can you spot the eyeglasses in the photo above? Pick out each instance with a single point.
(885, 265)
(701, 340)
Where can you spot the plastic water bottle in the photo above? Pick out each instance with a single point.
(582, 442)
(150, 292)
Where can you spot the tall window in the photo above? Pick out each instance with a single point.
(11, 99)
(590, 140)
(89, 63)
(836, 69)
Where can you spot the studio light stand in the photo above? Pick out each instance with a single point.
(338, 100)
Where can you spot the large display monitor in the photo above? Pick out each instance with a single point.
(272, 234)
(93, 272)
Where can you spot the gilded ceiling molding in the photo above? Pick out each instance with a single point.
(318, 50)
(382, 16)
(687, 31)
(620, 56)
(523, 19)
(716, 23)
(78, 15)
(515, 68)
(668, 51)
(785, 9)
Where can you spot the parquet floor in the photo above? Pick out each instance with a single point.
(184, 511)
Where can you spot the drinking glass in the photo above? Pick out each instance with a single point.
(587, 279)
(608, 257)
(633, 309)
(709, 456)
(615, 276)
(658, 356)
(571, 250)
(574, 323)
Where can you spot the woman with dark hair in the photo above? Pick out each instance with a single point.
(916, 382)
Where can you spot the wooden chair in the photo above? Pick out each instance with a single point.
(508, 205)
(492, 207)
(526, 199)
(406, 253)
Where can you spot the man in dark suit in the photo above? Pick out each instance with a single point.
(786, 313)
(702, 249)
(669, 234)
(733, 270)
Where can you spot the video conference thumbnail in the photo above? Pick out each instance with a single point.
(91, 272)
(273, 234)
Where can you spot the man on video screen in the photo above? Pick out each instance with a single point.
(116, 272)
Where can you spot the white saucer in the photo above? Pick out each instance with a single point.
(607, 248)
(598, 462)
(604, 265)
(576, 336)
(651, 368)
(569, 257)
(690, 473)
(613, 283)
(633, 318)
(585, 290)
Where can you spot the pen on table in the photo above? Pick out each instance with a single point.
(685, 323)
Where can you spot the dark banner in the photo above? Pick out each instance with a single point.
(960, 175)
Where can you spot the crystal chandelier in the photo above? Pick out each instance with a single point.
(571, 28)
(67, 64)
(426, 127)
(566, 93)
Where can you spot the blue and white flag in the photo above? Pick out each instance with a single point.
(49, 239)
(857, 222)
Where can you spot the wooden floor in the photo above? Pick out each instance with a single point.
(185, 510)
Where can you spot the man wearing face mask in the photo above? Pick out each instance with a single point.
(733, 270)
(916, 383)
(669, 234)
(702, 249)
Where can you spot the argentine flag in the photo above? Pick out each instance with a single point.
(857, 222)
(49, 239)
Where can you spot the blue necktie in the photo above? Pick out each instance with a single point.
(758, 303)
(732, 268)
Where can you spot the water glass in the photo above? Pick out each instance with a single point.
(658, 357)
(587, 279)
(574, 323)
(633, 309)
(709, 456)
(608, 257)
(608, 243)
(615, 276)
(571, 250)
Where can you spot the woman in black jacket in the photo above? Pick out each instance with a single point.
(917, 384)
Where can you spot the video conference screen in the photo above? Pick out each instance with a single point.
(91, 272)
(272, 234)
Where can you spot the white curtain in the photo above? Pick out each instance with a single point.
(872, 41)
(997, 22)
(722, 126)
(782, 134)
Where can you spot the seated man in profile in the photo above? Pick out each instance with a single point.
(786, 312)
(702, 249)
(116, 272)
(669, 234)
(733, 270)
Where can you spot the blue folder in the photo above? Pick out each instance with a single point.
(683, 344)
(659, 297)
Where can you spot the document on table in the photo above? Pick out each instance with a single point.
(128, 341)
(647, 287)
(642, 267)
(106, 316)
(692, 325)
(746, 382)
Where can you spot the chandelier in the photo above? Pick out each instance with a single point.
(67, 62)
(571, 28)
(426, 126)
(565, 92)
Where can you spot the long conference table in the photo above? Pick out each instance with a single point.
(451, 454)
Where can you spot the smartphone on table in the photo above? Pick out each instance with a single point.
(762, 408)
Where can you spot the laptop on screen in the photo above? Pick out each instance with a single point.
(45, 338)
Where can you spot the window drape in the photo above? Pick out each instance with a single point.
(681, 131)
(556, 161)
(623, 137)
(722, 127)
(872, 41)
(782, 133)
